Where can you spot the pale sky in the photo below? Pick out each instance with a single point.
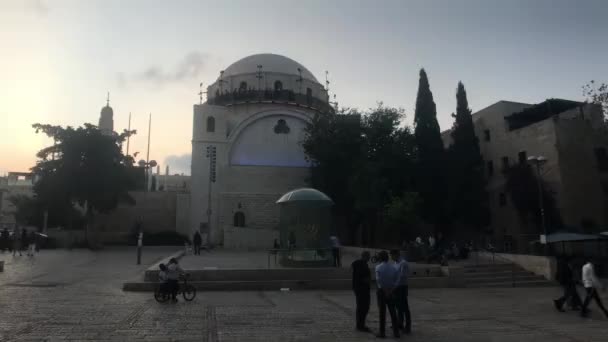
(59, 58)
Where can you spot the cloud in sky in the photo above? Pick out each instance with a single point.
(189, 68)
(179, 164)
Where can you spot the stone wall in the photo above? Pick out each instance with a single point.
(541, 265)
(248, 238)
(157, 210)
(260, 210)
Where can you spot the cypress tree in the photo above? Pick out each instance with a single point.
(431, 156)
(467, 182)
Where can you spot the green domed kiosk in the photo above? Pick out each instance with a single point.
(305, 222)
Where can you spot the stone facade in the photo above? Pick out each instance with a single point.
(256, 133)
(14, 184)
(568, 141)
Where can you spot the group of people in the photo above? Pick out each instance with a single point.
(392, 291)
(18, 242)
(568, 280)
(169, 278)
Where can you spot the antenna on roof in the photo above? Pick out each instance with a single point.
(201, 92)
(300, 79)
(108, 100)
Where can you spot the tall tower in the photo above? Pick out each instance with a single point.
(106, 119)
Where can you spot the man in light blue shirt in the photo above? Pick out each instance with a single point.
(401, 293)
(386, 279)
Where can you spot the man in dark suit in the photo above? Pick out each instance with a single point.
(361, 286)
(565, 276)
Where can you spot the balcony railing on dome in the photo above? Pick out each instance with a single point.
(269, 96)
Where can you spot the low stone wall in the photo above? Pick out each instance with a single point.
(66, 238)
(249, 238)
(545, 266)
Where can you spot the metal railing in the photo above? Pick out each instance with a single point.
(290, 253)
(270, 96)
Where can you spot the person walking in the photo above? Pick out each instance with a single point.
(17, 242)
(591, 284)
(565, 277)
(361, 286)
(386, 277)
(401, 291)
(5, 240)
(25, 240)
(31, 246)
(335, 250)
(198, 241)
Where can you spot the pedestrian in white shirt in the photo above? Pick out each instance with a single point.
(591, 284)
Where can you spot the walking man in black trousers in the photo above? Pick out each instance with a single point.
(198, 241)
(401, 292)
(361, 286)
(386, 277)
(565, 276)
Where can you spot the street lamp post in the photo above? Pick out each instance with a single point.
(211, 155)
(538, 162)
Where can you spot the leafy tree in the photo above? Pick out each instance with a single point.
(360, 160)
(469, 200)
(597, 94)
(26, 210)
(431, 156)
(522, 186)
(83, 167)
(401, 214)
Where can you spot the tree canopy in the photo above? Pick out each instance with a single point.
(83, 167)
(469, 200)
(430, 175)
(361, 160)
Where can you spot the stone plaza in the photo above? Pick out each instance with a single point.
(76, 295)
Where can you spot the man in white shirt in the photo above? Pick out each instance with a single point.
(386, 279)
(591, 284)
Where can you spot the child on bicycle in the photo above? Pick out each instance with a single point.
(163, 278)
(173, 273)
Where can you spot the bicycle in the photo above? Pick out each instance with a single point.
(188, 291)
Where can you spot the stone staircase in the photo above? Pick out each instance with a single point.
(276, 279)
(501, 275)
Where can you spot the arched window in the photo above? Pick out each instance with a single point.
(243, 86)
(278, 86)
(211, 124)
(309, 96)
(239, 219)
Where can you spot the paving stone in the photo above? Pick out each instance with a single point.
(90, 306)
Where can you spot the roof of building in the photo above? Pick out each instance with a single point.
(540, 112)
(270, 63)
(304, 194)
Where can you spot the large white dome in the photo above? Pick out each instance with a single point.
(270, 63)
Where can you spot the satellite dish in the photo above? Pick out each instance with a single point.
(141, 163)
(152, 163)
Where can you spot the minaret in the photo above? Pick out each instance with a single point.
(106, 119)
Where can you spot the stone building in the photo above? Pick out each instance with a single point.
(14, 184)
(246, 148)
(106, 118)
(571, 136)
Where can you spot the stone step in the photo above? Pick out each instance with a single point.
(495, 274)
(491, 268)
(530, 283)
(502, 264)
(280, 274)
(276, 285)
(509, 278)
